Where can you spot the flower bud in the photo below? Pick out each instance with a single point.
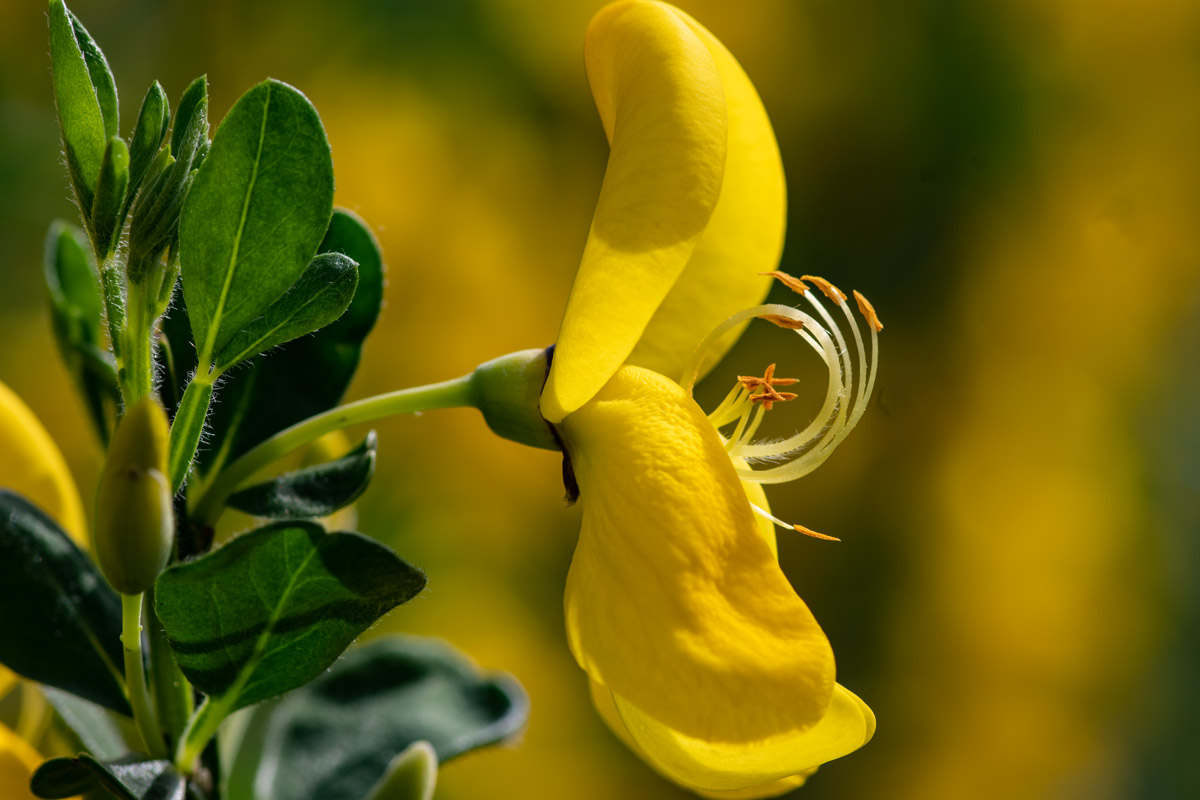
(135, 525)
(507, 390)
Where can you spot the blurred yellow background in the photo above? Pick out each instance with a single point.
(1016, 186)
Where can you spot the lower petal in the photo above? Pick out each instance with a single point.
(17, 762)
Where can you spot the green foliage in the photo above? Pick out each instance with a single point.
(154, 118)
(320, 296)
(73, 289)
(274, 608)
(305, 376)
(67, 633)
(259, 207)
(109, 201)
(126, 779)
(334, 739)
(95, 727)
(315, 491)
(186, 429)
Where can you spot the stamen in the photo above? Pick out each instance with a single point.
(832, 292)
(795, 284)
(783, 322)
(762, 512)
(867, 310)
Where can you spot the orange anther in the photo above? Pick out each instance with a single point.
(765, 385)
(795, 284)
(814, 534)
(783, 322)
(831, 291)
(868, 311)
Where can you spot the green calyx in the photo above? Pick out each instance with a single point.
(135, 529)
(507, 390)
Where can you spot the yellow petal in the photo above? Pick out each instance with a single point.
(674, 600)
(743, 238)
(659, 94)
(760, 767)
(17, 762)
(33, 466)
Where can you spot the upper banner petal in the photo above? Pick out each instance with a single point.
(674, 599)
(658, 90)
(743, 238)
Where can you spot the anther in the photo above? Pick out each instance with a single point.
(783, 322)
(832, 292)
(868, 311)
(795, 284)
(766, 386)
(814, 534)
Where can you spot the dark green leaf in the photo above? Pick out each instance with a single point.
(101, 76)
(319, 297)
(191, 120)
(305, 376)
(258, 208)
(272, 609)
(110, 196)
(333, 739)
(95, 727)
(314, 491)
(147, 137)
(68, 627)
(79, 116)
(127, 779)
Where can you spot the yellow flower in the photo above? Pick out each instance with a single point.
(701, 656)
(32, 466)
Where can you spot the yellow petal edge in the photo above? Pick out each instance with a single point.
(660, 98)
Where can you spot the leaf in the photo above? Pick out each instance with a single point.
(314, 491)
(305, 376)
(258, 208)
(334, 739)
(319, 297)
(127, 779)
(190, 128)
(95, 726)
(272, 609)
(411, 775)
(148, 135)
(73, 289)
(110, 196)
(67, 632)
(79, 115)
(186, 428)
(101, 76)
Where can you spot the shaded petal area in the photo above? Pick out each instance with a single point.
(17, 762)
(674, 600)
(659, 94)
(743, 238)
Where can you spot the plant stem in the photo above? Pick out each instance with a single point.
(457, 393)
(137, 363)
(135, 676)
(200, 730)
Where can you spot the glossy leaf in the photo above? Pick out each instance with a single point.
(126, 779)
(258, 208)
(67, 632)
(95, 727)
(109, 201)
(315, 491)
(272, 609)
(319, 297)
(305, 376)
(79, 117)
(334, 739)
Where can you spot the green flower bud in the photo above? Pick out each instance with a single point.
(507, 390)
(135, 525)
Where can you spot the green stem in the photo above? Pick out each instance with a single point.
(200, 730)
(137, 363)
(172, 692)
(113, 289)
(135, 676)
(457, 393)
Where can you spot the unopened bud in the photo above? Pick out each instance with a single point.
(135, 526)
(507, 390)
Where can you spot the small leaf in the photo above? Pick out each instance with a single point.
(272, 609)
(127, 779)
(147, 137)
(186, 428)
(305, 376)
(95, 726)
(334, 739)
(101, 76)
(67, 633)
(314, 491)
(190, 128)
(258, 208)
(319, 297)
(79, 115)
(411, 775)
(110, 196)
